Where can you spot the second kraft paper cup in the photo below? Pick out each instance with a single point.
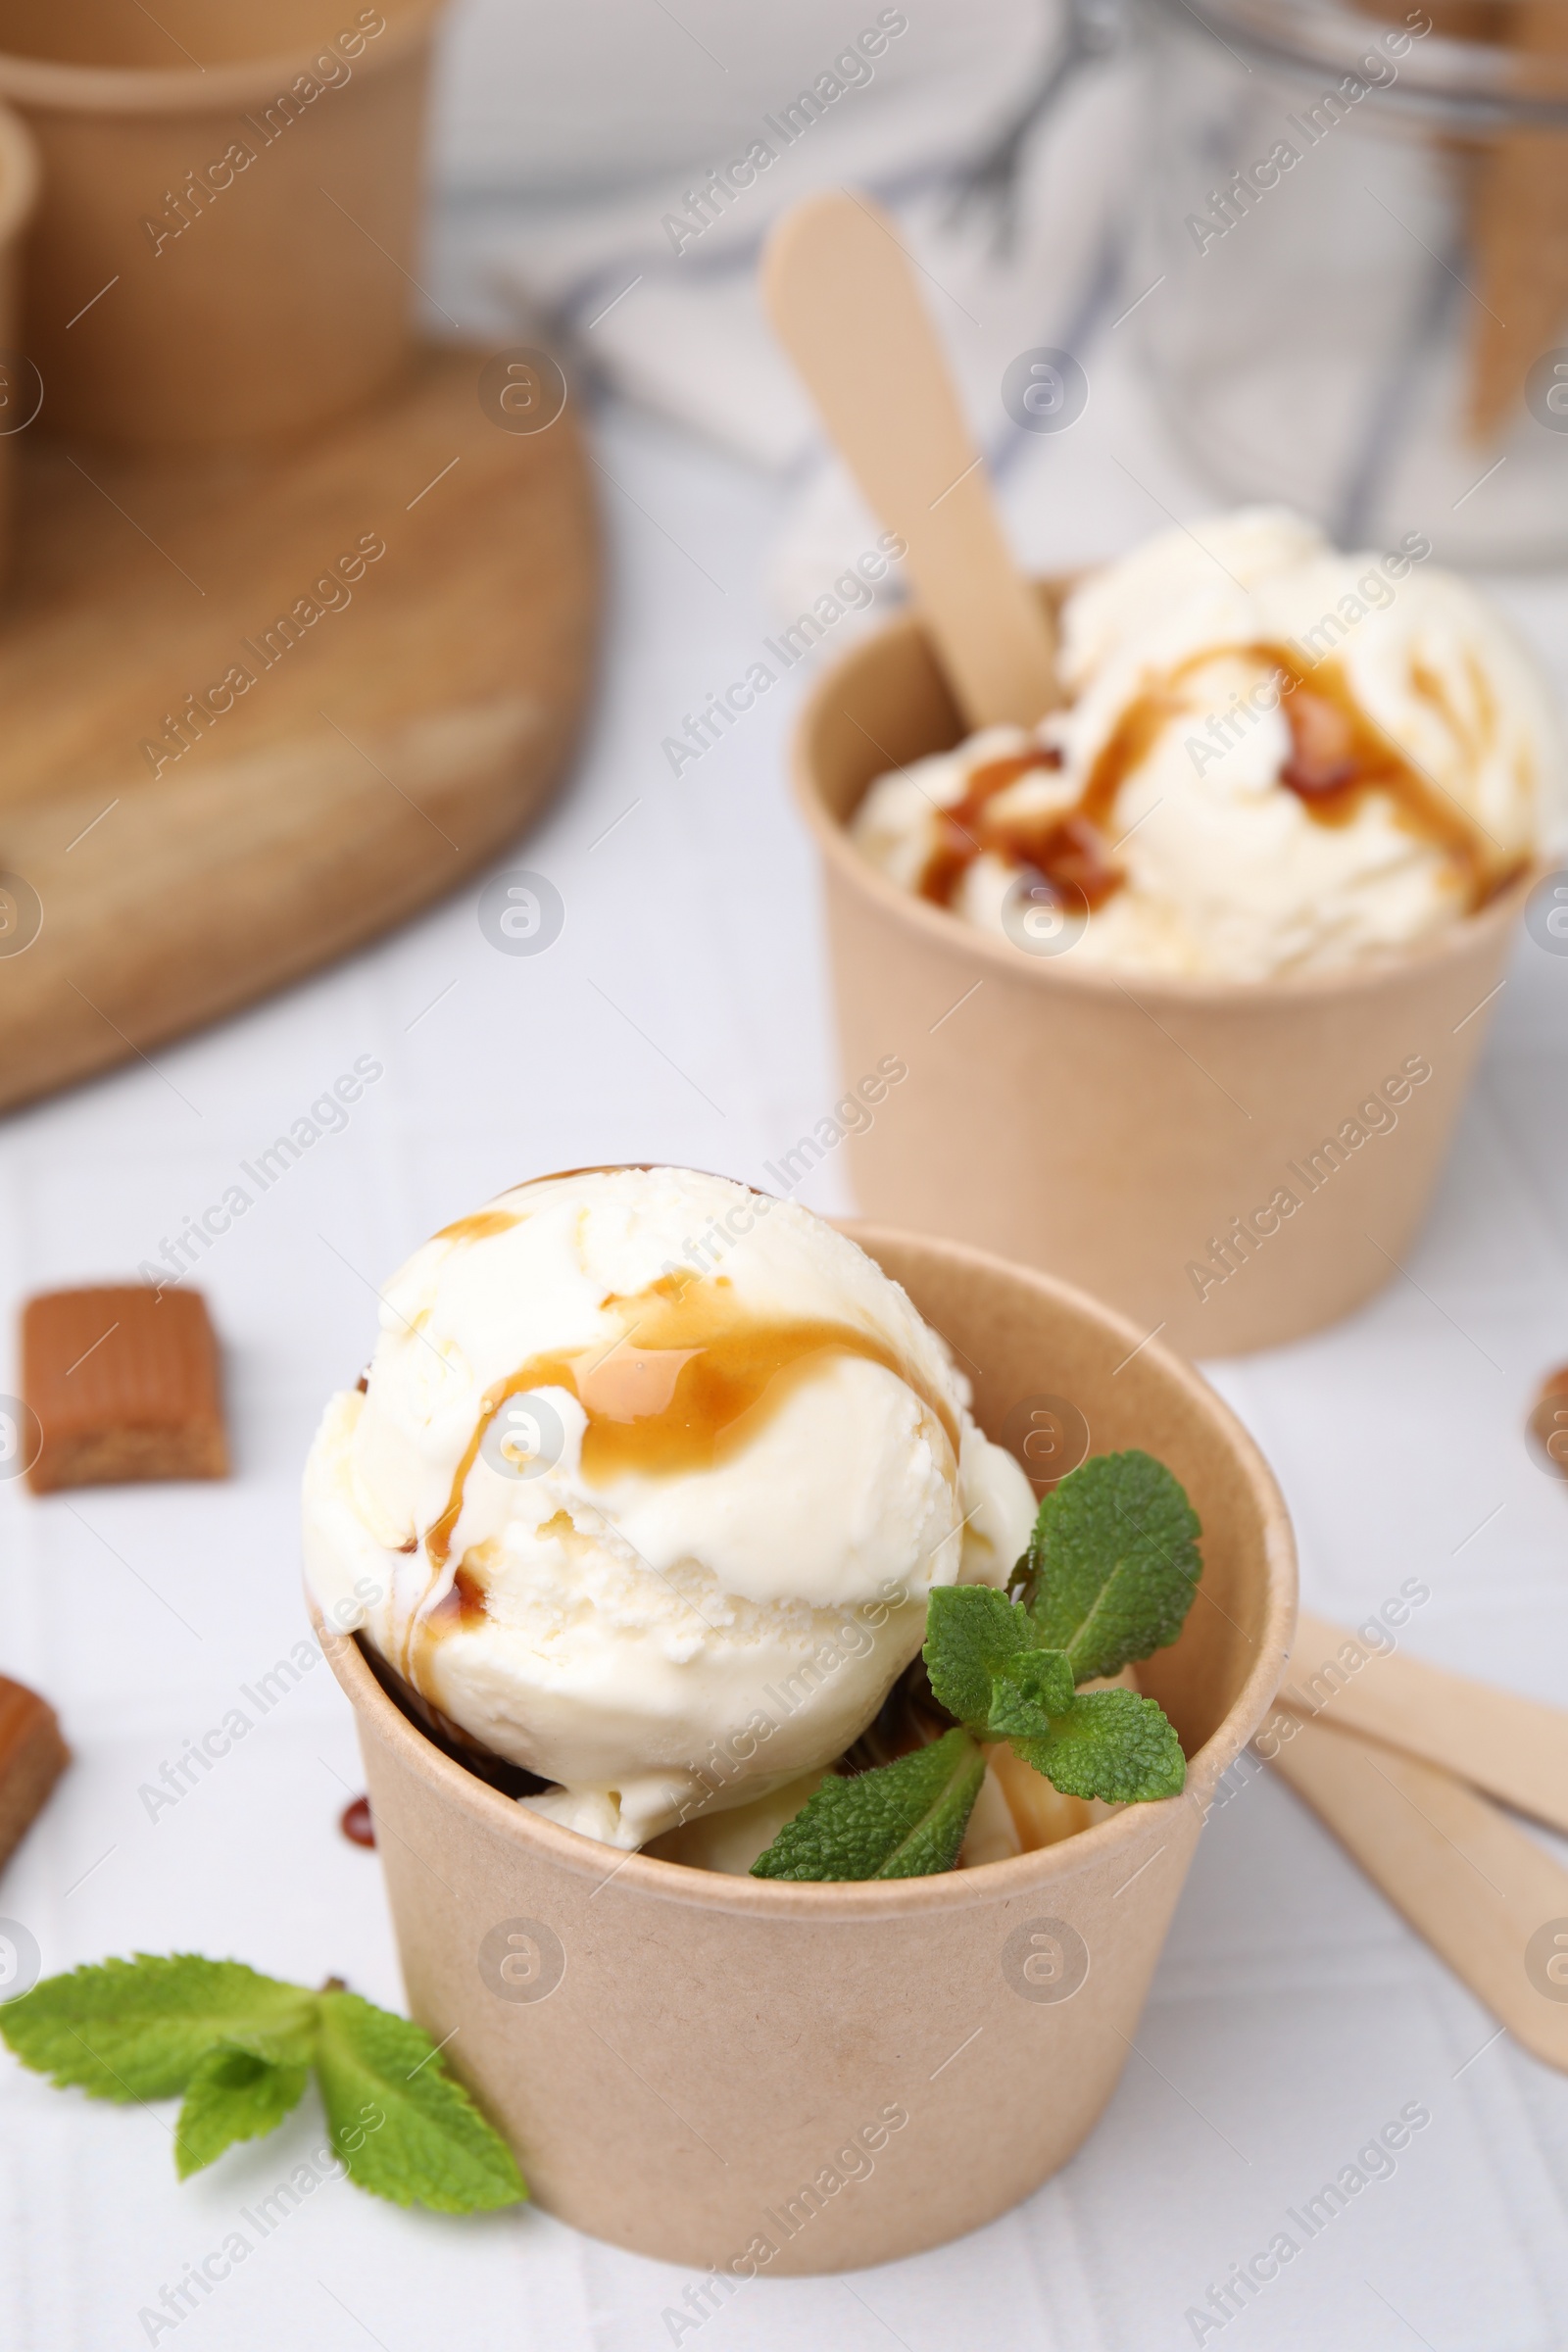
(773, 2078)
(1232, 1163)
(231, 207)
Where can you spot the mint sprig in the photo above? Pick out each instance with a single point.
(237, 2048)
(1108, 1577)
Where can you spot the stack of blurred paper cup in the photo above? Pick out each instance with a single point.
(215, 209)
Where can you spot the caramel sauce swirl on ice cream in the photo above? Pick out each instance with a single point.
(1274, 759)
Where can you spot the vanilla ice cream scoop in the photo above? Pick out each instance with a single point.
(1274, 759)
(652, 1475)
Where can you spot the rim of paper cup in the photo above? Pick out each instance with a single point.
(943, 928)
(18, 174)
(57, 86)
(987, 1883)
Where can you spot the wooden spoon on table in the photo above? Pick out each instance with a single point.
(841, 293)
(1483, 1895)
(1515, 1748)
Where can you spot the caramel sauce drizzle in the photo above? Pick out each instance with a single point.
(1065, 846)
(463, 1603)
(693, 1378)
(481, 1227)
(1338, 755)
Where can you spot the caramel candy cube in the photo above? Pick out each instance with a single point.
(125, 1383)
(32, 1756)
(1549, 1423)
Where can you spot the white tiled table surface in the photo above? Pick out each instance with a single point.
(682, 1016)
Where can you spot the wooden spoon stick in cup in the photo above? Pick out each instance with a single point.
(841, 294)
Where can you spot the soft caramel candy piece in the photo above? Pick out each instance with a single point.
(993, 1834)
(1548, 1422)
(32, 1756)
(1041, 1814)
(125, 1383)
(731, 1842)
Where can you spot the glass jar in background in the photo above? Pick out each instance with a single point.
(1359, 224)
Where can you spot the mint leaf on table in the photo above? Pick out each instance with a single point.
(234, 2093)
(904, 1819)
(403, 2128)
(1112, 1744)
(136, 2029)
(1113, 1563)
(240, 2046)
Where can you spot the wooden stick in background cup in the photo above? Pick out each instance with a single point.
(231, 201)
(1519, 231)
(843, 300)
(21, 385)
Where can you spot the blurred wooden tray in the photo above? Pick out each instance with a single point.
(184, 863)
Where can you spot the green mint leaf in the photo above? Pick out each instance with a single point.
(234, 2093)
(904, 1819)
(1113, 1563)
(971, 1633)
(403, 2128)
(985, 1666)
(1109, 1743)
(1030, 1691)
(138, 2028)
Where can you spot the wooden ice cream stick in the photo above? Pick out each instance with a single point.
(1486, 1898)
(1513, 1747)
(1519, 226)
(842, 297)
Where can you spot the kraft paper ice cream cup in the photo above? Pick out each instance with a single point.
(1231, 1164)
(229, 214)
(21, 387)
(775, 2079)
